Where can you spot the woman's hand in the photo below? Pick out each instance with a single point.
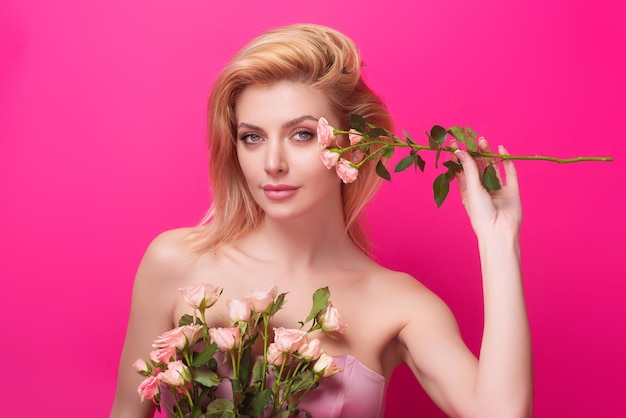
(489, 211)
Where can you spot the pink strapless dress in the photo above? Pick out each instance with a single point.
(356, 392)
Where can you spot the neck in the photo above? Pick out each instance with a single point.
(301, 243)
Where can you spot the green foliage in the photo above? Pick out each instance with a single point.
(220, 408)
(320, 301)
(490, 178)
(382, 171)
(358, 123)
(441, 187)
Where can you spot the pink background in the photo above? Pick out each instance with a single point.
(102, 126)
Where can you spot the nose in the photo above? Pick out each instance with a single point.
(275, 158)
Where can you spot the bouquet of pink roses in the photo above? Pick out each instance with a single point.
(197, 371)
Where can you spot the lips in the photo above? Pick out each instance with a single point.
(279, 191)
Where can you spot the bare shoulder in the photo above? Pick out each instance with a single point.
(169, 254)
(404, 297)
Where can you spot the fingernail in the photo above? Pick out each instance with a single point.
(459, 154)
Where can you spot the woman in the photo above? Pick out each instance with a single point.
(279, 217)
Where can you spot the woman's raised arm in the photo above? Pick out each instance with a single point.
(500, 383)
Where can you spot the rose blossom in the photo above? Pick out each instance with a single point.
(326, 366)
(177, 374)
(274, 355)
(354, 137)
(261, 299)
(329, 158)
(311, 349)
(330, 320)
(163, 355)
(325, 134)
(239, 309)
(288, 340)
(225, 338)
(346, 172)
(149, 388)
(201, 296)
(179, 337)
(142, 366)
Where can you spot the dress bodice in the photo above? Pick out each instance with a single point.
(355, 392)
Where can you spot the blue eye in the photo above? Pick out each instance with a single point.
(251, 138)
(304, 135)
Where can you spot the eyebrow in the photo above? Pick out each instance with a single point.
(285, 125)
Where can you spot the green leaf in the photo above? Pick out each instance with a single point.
(438, 133)
(245, 366)
(471, 133)
(419, 162)
(377, 132)
(320, 301)
(458, 133)
(431, 141)
(206, 377)
(358, 123)
(388, 151)
(277, 305)
(408, 138)
(404, 163)
(381, 170)
(471, 143)
(441, 187)
(260, 401)
(257, 373)
(186, 319)
(455, 167)
(303, 381)
(220, 408)
(437, 155)
(205, 355)
(490, 178)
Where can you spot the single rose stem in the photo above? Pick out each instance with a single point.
(397, 142)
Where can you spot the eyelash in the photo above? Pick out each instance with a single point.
(246, 137)
(305, 131)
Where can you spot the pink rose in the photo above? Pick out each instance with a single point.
(288, 340)
(239, 309)
(261, 299)
(225, 338)
(325, 366)
(325, 134)
(346, 172)
(201, 296)
(142, 367)
(311, 349)
(180, 337)
(274, 355)
(149, 388)
(355, 137)
(163, 355)
(329, 158)
(177, 374)
(330, 320)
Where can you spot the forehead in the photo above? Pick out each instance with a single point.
(280, 102)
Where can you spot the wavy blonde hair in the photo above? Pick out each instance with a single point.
(317, 56)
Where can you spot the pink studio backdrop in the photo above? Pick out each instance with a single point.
(102, 126)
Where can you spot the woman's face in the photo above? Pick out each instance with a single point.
(279, 153)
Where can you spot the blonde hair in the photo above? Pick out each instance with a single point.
(317, 56)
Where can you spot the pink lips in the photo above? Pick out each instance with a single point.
(279, 191)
